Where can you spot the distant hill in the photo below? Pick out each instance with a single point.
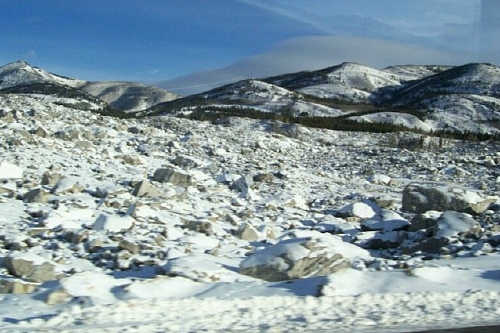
(20, 77)
(349, 96)
(428, 98)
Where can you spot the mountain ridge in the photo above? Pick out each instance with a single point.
(428, 98)
(425, 97)
(19, 76)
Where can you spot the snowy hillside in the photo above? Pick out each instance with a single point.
(463, 99)
(128, 96)
(168, 224)
(20, 72)
(20, 77)
(252, 95)
(471, 79)
(348, 82)
(415, 72)
(394, 118)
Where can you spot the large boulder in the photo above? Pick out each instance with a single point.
(16, 286)
(173, 176)
(454, 224)
(358, 209)
(36, 195)
(448, 227)
(301, 257)
(29, 266)
(146, 189)
(422, 197)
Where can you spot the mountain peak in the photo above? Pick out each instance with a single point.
(21, 73)
(20, 76)
(16, 65)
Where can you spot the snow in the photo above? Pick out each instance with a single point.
(67, 218)
(20, 72)
(10, 171)
(362, 313)
(84, 285)
(30, 257)
(111, 223)
(293, 248)
(452, 223)
(351, 82)
(359, 209)
(394, 118)
(185, 276)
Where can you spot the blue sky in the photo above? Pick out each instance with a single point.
(150, 40)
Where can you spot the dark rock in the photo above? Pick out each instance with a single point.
(36, 195)
(173, 176)
(429, 245)
(199, 226)
(422, 197)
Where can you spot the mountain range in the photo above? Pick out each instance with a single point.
(425, 98)
(20, 77)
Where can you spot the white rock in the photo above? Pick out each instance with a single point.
(450, 224)
(357, 209)
(385, 220)
(113, 223)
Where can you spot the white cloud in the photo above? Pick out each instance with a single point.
(411, 13)
(310, 53)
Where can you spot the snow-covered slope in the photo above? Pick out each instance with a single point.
(464, 98)
(460, 99)
(167, 224)
(249, 94)
(445, 98)
(415, 72)
(20, 77)
(471, 79)
(20, 72)
(128, 96)
(394, 118)
(348, 82)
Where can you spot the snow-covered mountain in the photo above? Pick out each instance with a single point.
(247, 95)
(128, 96)
(20, 77)
(428, 98)
(21, 73)
(348, 82)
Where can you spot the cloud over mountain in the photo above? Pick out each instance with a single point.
(309, 53)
